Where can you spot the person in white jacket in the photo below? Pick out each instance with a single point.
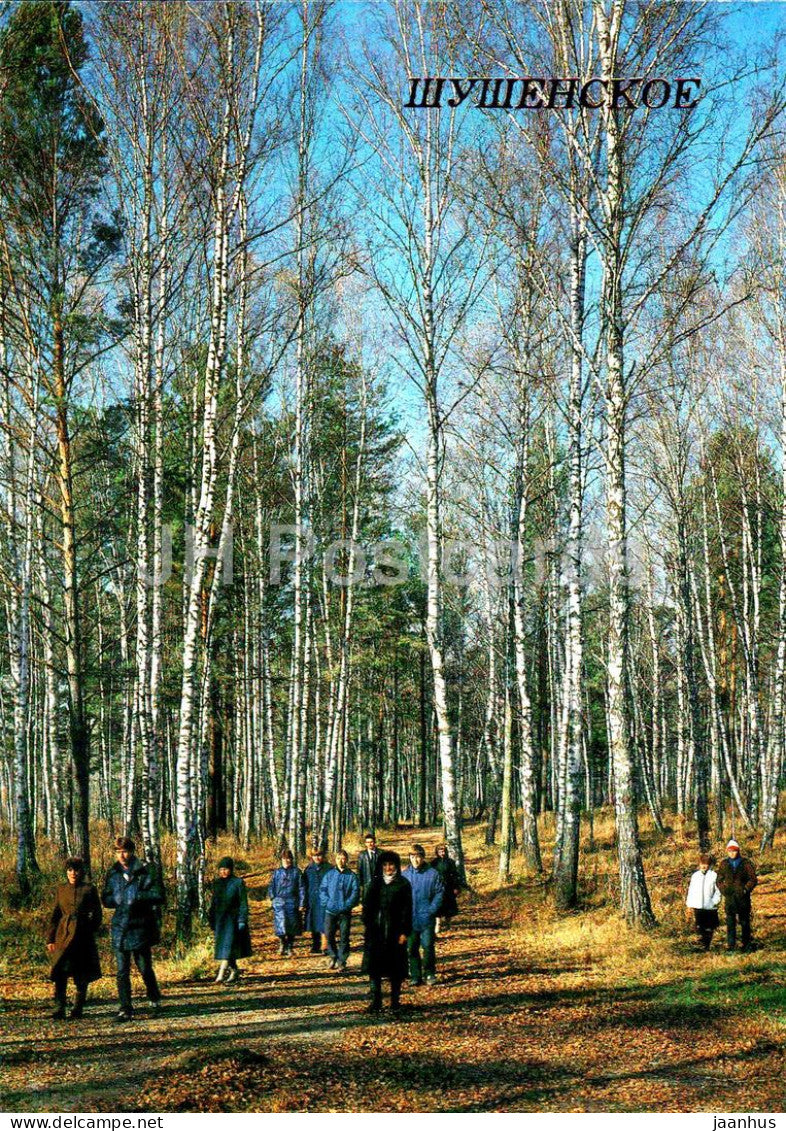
(703, 898)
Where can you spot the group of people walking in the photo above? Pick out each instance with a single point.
(733, 882)
(402, 912)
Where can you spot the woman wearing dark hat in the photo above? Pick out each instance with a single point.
(228, 917)
(447, 869)
(72, 937)
(387, 917)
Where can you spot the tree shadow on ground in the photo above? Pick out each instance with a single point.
(162, 1044)
(450, 1084)
(266, 1009)
(433, 1077)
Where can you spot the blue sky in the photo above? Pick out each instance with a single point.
(755, 19)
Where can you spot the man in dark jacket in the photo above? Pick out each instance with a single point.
(338, 894)
(736, 880)
(448, 871)
(369, 864)
(387, 917)
(134, 893)
(427, 893)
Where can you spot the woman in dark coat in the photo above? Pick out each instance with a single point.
(315, 912)
(287, 893)
(387, 917)
(228, 916)
(71, 942)
(450, 878)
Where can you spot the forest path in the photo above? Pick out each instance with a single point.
(282, 1009)
(529, 1013)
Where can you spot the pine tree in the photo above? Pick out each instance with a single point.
(53, 160)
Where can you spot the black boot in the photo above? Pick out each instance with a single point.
(375, 1005)
(79, 1002)
(60, 1001)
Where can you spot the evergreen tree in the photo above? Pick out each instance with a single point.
(53, 160)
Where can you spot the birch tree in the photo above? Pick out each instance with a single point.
(427, 302)
(768, 240)
(19, 447)
(234, 72)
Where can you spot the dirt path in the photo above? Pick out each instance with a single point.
(297, 1006)
(529, 1013)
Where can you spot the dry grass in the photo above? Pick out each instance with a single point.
(534, 1010)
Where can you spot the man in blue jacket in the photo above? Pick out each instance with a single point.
(427, 892)
(339, 892)
(313, 876)
(132, 890)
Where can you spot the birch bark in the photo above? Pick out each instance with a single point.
(634, 895)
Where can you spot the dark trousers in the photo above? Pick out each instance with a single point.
(738, 909)
(424, 937)
(376, 992)
(144, 964)
(316, 942)
(61, 986)
(338, 922)
(706, 922)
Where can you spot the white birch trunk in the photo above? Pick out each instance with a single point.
(338, 720)
(20, 546)
(567, 861)
(529, 824)
(774, 751)
(634, 895)
(187, 811)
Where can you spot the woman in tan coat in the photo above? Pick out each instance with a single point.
(72, 938)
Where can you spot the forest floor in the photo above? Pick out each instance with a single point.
(532, 1011)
